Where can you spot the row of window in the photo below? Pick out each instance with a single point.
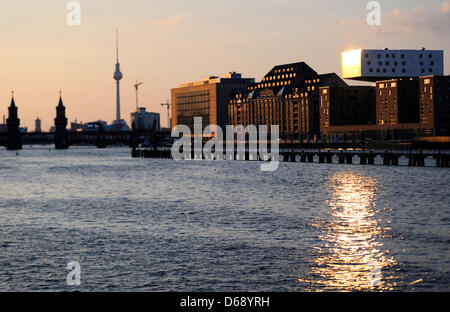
(394, 70)
(393, 55)
(280, 77)
(284, 70)
(396, 63)
(271, 84)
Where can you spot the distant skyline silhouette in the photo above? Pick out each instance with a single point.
(165, 43)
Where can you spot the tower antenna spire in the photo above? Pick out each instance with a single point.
(117, 45)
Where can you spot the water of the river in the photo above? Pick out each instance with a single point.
(165, 225)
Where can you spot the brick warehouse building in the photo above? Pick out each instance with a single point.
(342, 106)
(435, 103)
(287, 96)
(405, 108)
(398, 101)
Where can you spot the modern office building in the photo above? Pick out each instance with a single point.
(375, 65)
(207, 98)
(143, 120)
(287, 96)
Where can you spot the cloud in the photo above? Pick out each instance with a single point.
(445, 7)
(174, 20)
(412, 22)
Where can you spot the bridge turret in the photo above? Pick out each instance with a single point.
(60, 126)
(14, 138)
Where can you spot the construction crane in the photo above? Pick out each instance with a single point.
(167, 104)
(136, 86)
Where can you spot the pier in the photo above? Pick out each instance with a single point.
(357, 157)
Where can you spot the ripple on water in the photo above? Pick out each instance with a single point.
(161, 225)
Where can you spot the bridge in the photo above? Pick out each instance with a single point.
(13, 139)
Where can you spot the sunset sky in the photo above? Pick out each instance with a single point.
(167, 42)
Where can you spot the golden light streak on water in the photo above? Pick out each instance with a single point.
(352, 257)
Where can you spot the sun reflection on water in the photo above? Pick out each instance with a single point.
(351, 256)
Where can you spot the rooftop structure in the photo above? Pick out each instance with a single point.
(375, 65)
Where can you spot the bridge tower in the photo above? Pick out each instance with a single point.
(60, 126)
(14, 138)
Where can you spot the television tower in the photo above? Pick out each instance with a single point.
(117, 77)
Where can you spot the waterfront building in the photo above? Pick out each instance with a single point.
(405, 109)
(207, 98)
(374, 65)
(76, 126)
(287, 96)
(398, 101)
(435, 103)
(3, 126)
(143, 120)
(350, 105)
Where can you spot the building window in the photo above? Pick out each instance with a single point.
(371, 70)
(384, 70)
(378, 55)
(430, 56)
(402, 56)
(380, 63)
(367, 55)
(393, 55)
(422, 70)
(393, 70)
(403, 70)
(421, 63)
(395, 63)
(378, 70)
(430, 70)
(368, 62)
(403, 63)
(432, 63)
(387, 63)
(420, 55)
